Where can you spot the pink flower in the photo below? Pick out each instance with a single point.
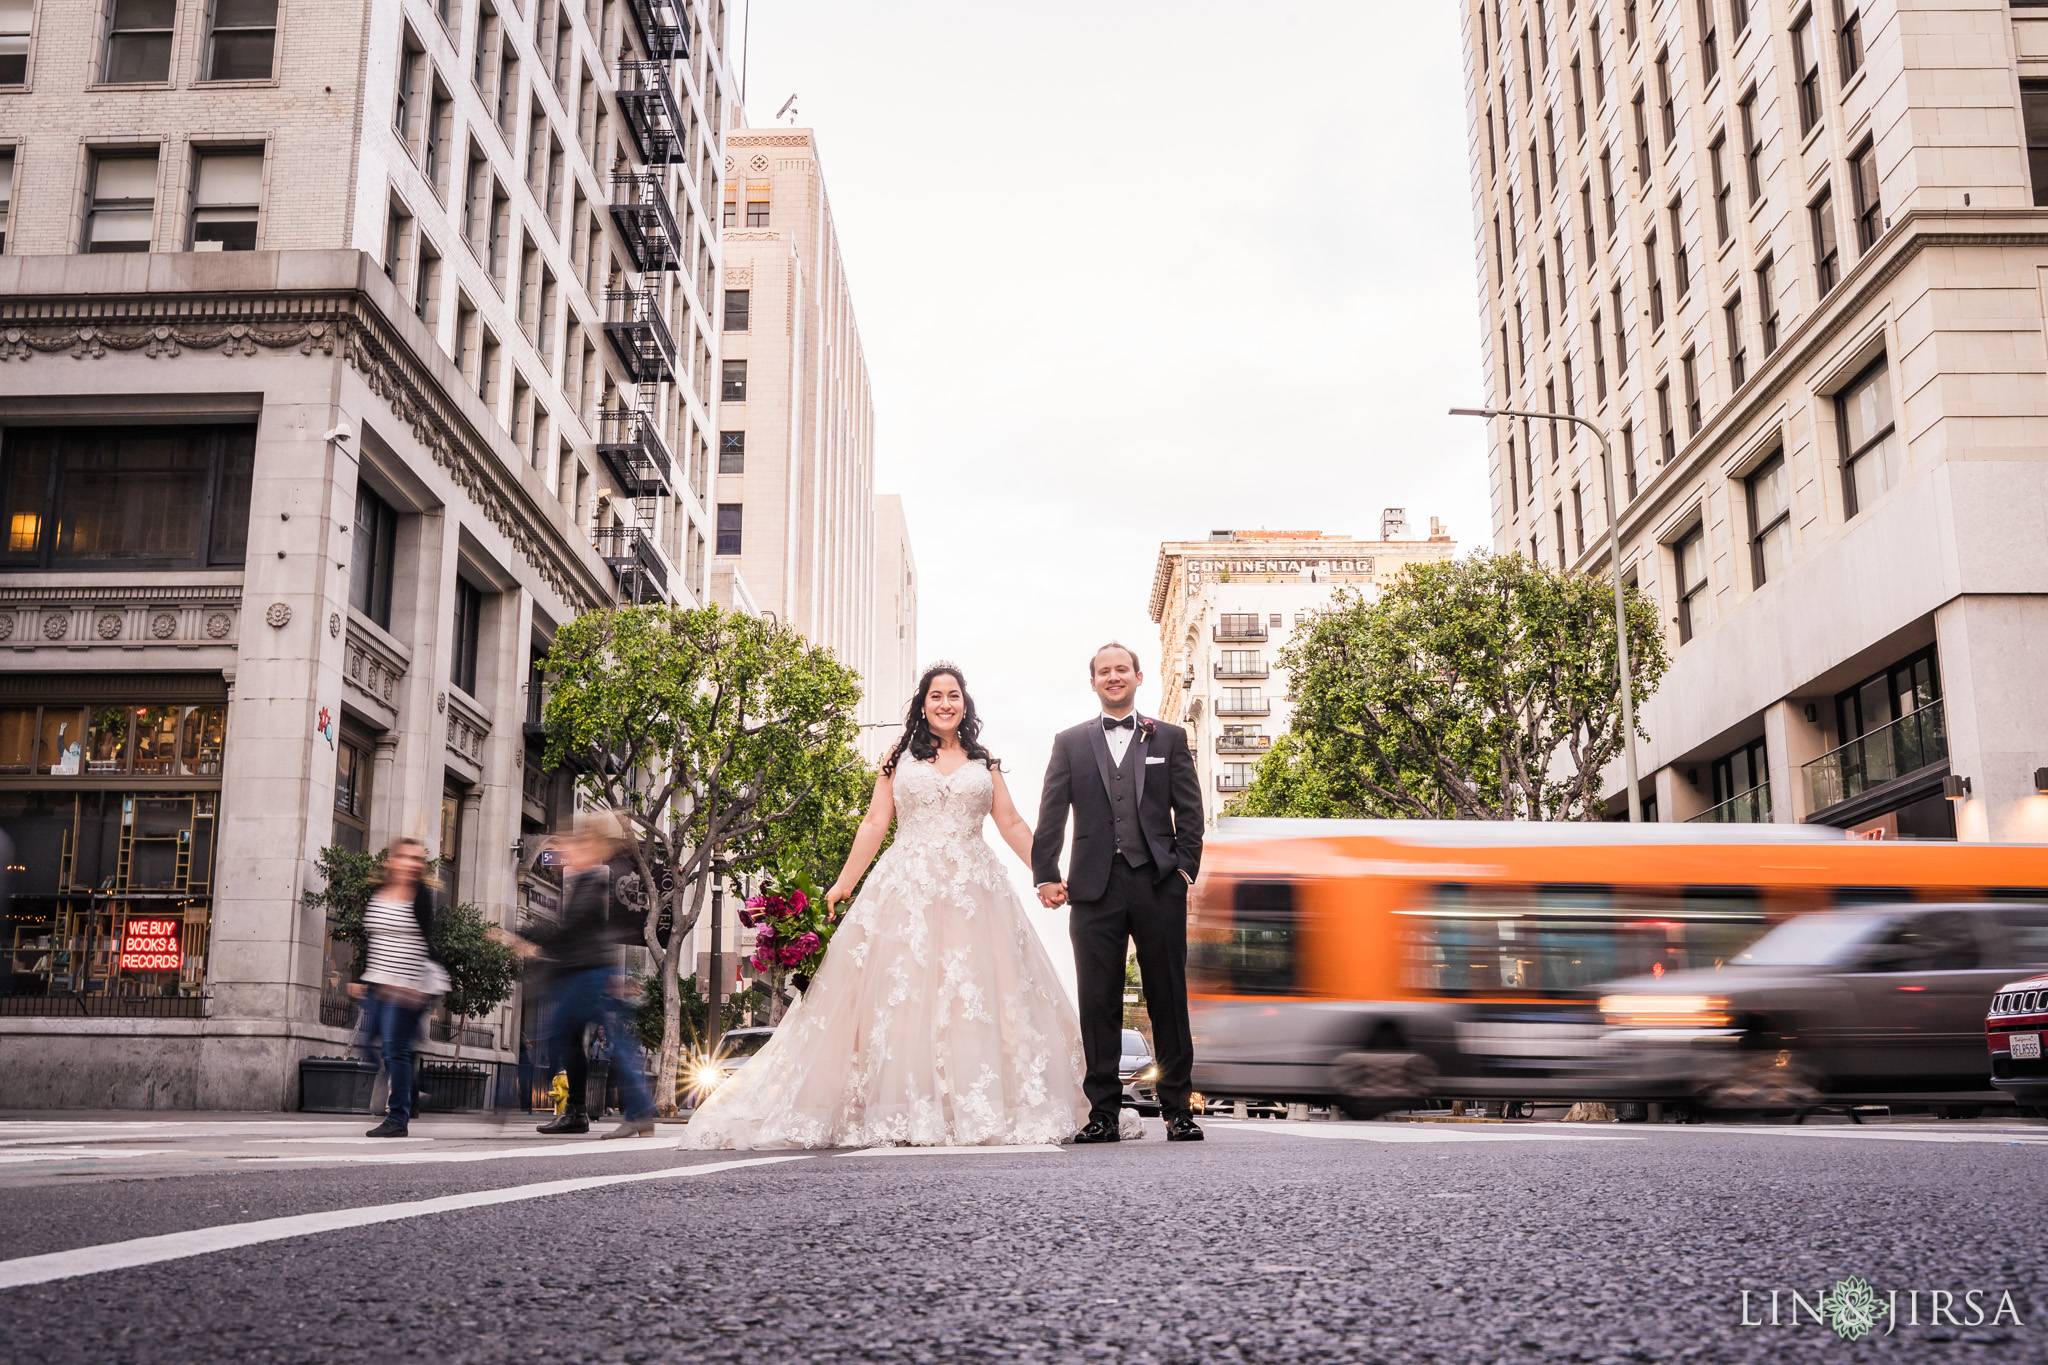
(749, 918)
(756, 902)
(763, 957)
(807, 943)
(798, 901)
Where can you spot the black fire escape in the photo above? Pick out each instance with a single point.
(629, 552)
(660, 33)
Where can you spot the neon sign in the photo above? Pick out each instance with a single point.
(151, 945)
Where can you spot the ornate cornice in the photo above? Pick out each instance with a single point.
(467, 729)
(329, 322)
(373, 668)
(119, 616)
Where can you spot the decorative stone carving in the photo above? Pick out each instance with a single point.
(757, 163)
(6, 625)
(728, 165)
(440, 702)
(218, 625)
(769, 140)
(56, 627)
(163, 625)
(739, 277)
(334, 624)
(279, 615)
(373, 669)
(108, 625)
(466, 732)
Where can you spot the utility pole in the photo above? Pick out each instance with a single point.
(1628, 696)
(714, 986)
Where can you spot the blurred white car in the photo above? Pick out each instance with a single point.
(1139, 1073)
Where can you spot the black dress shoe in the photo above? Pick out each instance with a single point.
(568, 1121)
(1181, 1128)
(1099, 1130)
(388, 1128)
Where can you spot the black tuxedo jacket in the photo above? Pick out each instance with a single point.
(1077, 780)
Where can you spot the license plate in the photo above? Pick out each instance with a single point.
(2026, 1046)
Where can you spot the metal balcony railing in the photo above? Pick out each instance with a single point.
(630, 442)
(1237, 630)
(639, 334)
(645, 222)
(1752, 807)
(630, 553)
(1226, 707)
(1916, 740)
(660, 33)
(1243, 744)
(1226, 783)
(1240, 671)
(653, 115)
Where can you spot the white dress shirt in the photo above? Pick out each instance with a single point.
(1119, 738)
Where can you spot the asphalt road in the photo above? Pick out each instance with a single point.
(1272, 1241)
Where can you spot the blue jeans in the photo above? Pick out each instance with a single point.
(585, 998)
(397, 1028)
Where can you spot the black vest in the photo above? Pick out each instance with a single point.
(1123, 807)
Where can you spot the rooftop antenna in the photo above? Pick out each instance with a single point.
(789, 108)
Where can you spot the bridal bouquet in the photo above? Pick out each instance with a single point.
(791, 924)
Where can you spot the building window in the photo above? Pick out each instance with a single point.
(1738, 11)
(352, 792)
(1578, 97)
(1770, 520)
(17, 19)
(1586, 216)
(1742, 772)
(1667, 438)
(728, 528)
(1767, 306)
(1752, 150)
(1827, 254)
(2034, 112)
(1620, 337)
(397, 241)
(1892, 695)
(733, 384)
(738, 308)
(123, 203)
(469, 625)
(1738, 347)
(1688, 367)
(1710, 47)
(6, 193)
(1628, 460)
(1599, 362)
(243, 42)
(1806, 70)
(1870, 447)
(732, 452)
(1681, 261)
(126, 497)
(1869, 211)
(731, 217)
(1723, 191)
(227, 191)
(1642, 126)
(139, 41)
(1689, 560)
(1607, 189)
(372, 557)
(757, 213)
(1656, 281)
(1557, 514)
(1850, 34)
(1665, 102)
(1579, 518)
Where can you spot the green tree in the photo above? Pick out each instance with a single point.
(481, 970)
(1474, 689)
(721, 736)
(349, 879)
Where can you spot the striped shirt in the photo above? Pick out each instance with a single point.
(397, 954)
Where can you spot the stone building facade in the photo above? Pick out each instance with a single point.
(895, 669)
(1791, 257)
(795, 483)
(1228, 605)
(346, 351)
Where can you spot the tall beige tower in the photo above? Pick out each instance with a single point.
(794, 498)
(1793, 258)
(896, 662)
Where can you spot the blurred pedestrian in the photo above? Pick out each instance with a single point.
(401, 971)
(582, 953)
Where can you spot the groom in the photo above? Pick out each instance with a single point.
(1130, 783)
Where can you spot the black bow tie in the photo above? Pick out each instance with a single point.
(1127, 723)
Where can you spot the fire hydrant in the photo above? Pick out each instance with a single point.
(559, 1092)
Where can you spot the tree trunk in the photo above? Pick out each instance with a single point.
(461, 1023)
(669, 1062)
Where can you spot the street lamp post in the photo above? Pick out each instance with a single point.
(1628, 700)
(712, 1032)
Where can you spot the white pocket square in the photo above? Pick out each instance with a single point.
(1155, 760)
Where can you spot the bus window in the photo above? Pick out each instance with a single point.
(1873, 895)
(1474, 941)
(2025, 928)
(1255, 955)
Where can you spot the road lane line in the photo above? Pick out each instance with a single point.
(1412, 1132)
(414, 1156)
(991, 1150)
(176, 1246)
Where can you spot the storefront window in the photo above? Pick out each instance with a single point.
(156, 741)
(111, 741)
(206, 729)
(61, 750)
(106, 752)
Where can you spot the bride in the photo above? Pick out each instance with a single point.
(935, 1019)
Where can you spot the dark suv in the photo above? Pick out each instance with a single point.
(1867, 1003)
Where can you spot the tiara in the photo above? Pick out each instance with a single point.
(941, 666)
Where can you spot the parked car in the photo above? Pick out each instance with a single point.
(1139, 1074)
(1878, 1003)
(2013, 1028)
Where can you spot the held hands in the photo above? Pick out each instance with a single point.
(1052, 895)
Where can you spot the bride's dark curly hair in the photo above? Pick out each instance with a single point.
(917, 732)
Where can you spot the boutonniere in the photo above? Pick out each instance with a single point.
(1146, 727)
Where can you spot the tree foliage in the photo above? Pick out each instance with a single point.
(1475, 689)
(351, 878)
(482, 972)
(722, 737)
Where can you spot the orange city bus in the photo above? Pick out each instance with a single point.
(1375, 963)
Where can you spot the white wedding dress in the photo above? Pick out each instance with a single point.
(935, 1018)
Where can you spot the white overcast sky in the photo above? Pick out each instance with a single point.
(1126, 272)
